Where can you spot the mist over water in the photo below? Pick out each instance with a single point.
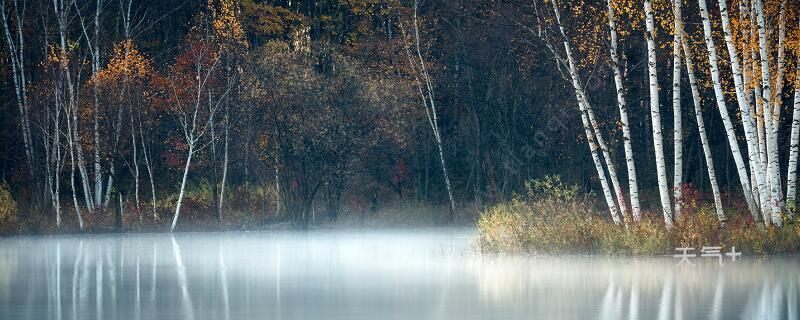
(368, 274)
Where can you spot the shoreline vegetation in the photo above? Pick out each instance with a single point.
(256, 212)
(553, 218)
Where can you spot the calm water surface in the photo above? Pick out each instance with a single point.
(403, 274)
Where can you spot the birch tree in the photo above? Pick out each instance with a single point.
(15, 42)
(424, 86)
(655, 113)
(701, 130)
(192, 96)
(772, 146)
(583, 105)
(616, 65)
(93, 45)
(794, 148)
(676, 107)
(756, 163)
(733, 143)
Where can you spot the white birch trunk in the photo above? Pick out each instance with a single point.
(183, 187)
(794, 149)
(623, 111)
(425, 89)
(655, 114)
(149, 167)
(777, 99)
(612, 171)
(676, 108)
(701, 128)
(772, 151)
(16, 50)
(741, 167)
(135, 165)
(744, 106)
(590, 136)
(74, 192)
(224, 165)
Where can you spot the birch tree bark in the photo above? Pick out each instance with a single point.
(425, 89)
(773, 165)
(777, 100)
(701, 128)
(195, 121)
(582, 105)
(677, 184)
(794, 149)
(62, 9)
(655, 114)
(623, 112)
(93, 44)
(16, 50)
(733, 143)
(148, 167)
(756, 165)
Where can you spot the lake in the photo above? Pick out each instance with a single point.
(370, 274)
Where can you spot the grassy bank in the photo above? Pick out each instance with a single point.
(555, 219)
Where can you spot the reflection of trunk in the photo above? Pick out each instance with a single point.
(723, 111)
(183, 283)
(223, 277)
(623, 111)
(655, 114)
(712, 177)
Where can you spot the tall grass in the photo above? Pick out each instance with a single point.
(553, 218)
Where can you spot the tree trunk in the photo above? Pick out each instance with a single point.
(794, 149)
(772, 146)
(183, 187)
(744, 106)
(425, 89)
(655, 114)
(224, 166)
(677, 183)
(590, 137)
(741, 168)
(612, 171)
(135, 165)
(17, 55)
(623, 111)
(701, 128)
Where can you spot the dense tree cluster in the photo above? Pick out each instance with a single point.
(333, 104)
